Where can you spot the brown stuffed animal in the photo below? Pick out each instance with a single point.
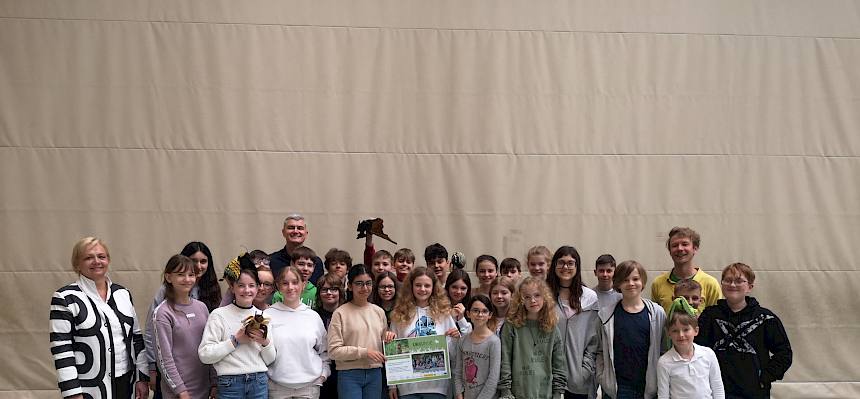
(257, 322)
(372, 226)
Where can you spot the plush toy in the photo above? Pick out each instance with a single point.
(374, 227)
(231, 271)
(256, 322)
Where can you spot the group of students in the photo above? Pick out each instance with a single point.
(542, 336)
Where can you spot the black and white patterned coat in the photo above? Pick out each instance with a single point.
(82, 341)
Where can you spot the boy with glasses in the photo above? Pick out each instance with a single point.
(750, 341)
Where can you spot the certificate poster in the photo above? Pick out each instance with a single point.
(417, 359)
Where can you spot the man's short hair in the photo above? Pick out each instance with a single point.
(605, 259)
(508, 264)
(404, 254)
(435, 251)
(302, 252)
(381, 254)
(338, 255)
(687, 285)
(739, 269)
(625, 269)
(684, 232)
(294, 216)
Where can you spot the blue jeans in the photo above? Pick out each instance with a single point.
(359, 383)
(243, 386)
(423, 396)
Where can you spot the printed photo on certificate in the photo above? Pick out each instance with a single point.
(417, 359)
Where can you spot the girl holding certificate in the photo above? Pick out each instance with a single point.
(422, 309)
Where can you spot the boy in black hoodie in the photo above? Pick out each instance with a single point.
(750, 342)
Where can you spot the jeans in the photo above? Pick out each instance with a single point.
(359, 383)
(243, 386)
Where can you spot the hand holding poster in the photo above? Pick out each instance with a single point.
(417, 359)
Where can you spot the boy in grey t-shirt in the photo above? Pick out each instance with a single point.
(604, 269)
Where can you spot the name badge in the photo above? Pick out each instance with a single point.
(190, 315)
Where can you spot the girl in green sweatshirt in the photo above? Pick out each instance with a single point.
(533, 363)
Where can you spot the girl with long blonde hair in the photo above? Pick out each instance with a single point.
(533, 362)
(422, 309)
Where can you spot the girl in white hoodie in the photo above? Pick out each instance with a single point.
(300, 339)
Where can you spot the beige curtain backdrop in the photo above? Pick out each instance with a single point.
(488, 126)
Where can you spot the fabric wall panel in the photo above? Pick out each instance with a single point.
(120, 192)
(155, 85)
(828, 18)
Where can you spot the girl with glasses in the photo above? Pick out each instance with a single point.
(384, 294)
(576, 307)
(330, 295)
(478, 355)
(385, 291)
(533, 363)
(267, 288)
(355, 337)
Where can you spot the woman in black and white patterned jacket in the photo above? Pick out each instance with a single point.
(95, 336)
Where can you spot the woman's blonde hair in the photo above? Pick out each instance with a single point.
(82, 245)
(404, 308)
(547, 316)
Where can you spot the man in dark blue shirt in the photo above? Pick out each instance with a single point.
(295, 232)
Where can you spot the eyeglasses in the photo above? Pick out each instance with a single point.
(359, 284)
(329, 290)
(734, 281)
(267, 284)
(529, 298)
(385, 287)
(262, 262)
(480, 312)
(566, 265)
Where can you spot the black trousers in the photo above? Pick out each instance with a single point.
(122, 386)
